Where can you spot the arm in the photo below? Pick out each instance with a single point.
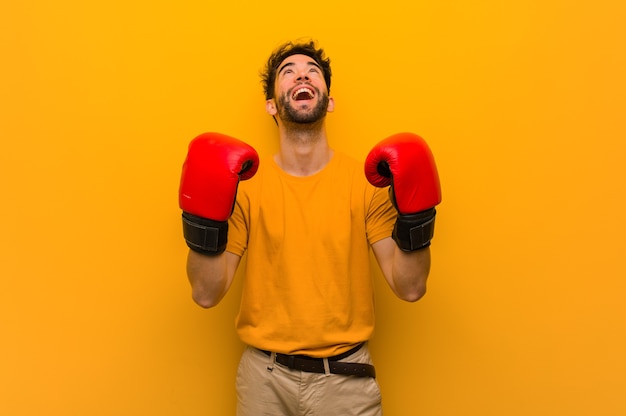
(405, 163)
(210, 276)
(406, 272)
(214, 166)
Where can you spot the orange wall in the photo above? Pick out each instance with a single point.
(523, 105)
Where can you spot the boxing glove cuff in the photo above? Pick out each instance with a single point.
(204, 235)
(414, 231)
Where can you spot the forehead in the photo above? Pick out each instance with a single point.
(297, 59)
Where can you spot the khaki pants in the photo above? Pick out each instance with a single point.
(266, 388)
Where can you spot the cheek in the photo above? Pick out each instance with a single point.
(281, 90)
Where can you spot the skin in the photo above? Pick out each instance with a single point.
(304, 150)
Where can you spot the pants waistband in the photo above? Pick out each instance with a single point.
(317, 365)
(332, 358)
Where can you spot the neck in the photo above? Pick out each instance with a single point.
(304, 150)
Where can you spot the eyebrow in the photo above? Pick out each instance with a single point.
(310, 63)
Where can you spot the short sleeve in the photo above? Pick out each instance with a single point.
(381, 215)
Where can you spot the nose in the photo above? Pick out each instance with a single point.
(302, 75)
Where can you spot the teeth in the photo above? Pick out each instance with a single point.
(303, 90)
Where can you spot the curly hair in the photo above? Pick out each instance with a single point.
(308, 48)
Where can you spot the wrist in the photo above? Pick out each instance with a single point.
(414, 231)
(204, 235)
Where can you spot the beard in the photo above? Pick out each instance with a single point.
(288, 113)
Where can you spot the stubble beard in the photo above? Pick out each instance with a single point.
(289, 114)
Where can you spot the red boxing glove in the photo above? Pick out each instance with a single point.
(405, 162)
(211, 173)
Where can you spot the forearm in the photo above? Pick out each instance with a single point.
(409, 273)
(210, 276)
(405, 272)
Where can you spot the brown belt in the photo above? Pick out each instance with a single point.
(316, 365)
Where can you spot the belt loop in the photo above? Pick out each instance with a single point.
(270, 367)
(326, 367)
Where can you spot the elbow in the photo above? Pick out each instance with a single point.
(413, 295)
(204, 301)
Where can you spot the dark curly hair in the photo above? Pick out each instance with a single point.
(308, 48)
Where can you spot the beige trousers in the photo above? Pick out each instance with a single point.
(266, 388)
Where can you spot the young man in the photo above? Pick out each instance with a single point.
(307, 219)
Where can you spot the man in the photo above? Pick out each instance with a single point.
(307, 219)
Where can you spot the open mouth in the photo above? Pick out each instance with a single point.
(303, 93)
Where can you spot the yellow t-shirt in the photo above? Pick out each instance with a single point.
(308, 288)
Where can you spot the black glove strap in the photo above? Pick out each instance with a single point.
(204, 235)
(414, 231)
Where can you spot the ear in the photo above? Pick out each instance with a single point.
(331, 105)
(270, 107)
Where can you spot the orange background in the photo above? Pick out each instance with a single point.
(522, 103)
